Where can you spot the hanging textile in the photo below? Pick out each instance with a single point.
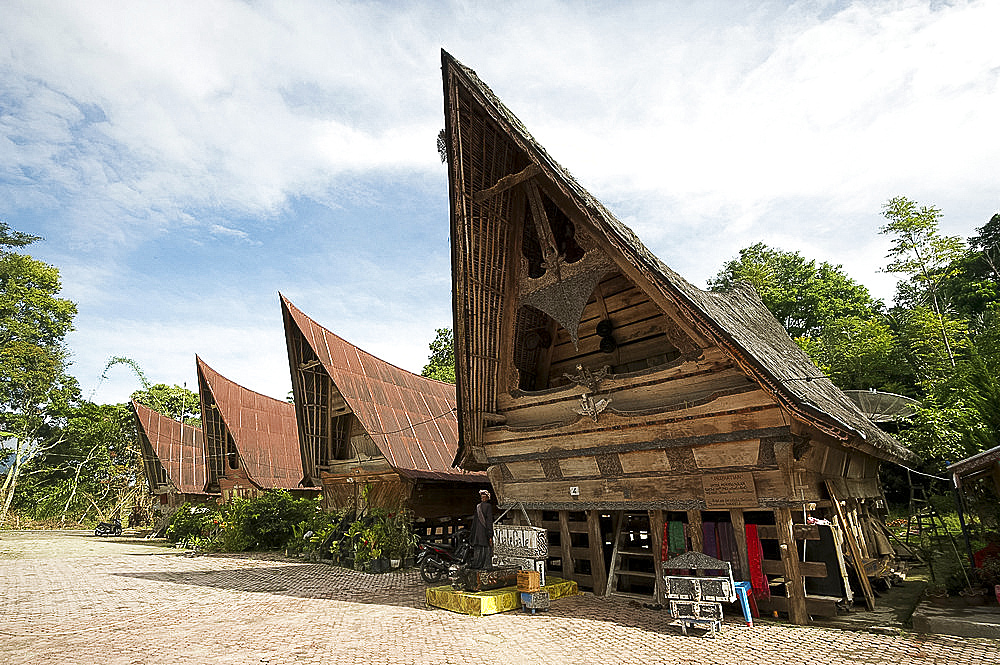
(675, 539)
(755, 555)
(727, 547)
(708, 541)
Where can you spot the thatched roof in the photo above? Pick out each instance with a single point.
(262, 427)
(179, 448)
(737, 321)
(410, 418)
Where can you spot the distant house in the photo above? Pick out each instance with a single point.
(173, 458)
(371, 433)
(630, 413)
(250, 439)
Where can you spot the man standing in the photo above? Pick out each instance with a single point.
(482, 533)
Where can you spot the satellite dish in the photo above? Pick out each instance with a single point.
(883, 407)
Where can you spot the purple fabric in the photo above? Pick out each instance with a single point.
(709, 544)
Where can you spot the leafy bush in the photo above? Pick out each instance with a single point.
(264, 521)
(191, 521)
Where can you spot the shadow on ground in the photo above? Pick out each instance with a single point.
(303, 580)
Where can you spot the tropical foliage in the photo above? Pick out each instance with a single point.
(938, 342)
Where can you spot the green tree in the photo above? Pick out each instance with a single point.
(925, 256)
(36, 392)
(804, 297)
(860, 354)
(175, 402)
(95, 466)
(441, 363)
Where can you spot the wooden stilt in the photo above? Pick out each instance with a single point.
(794, 588)
(740, 533)
(656, 542)
(694, 531)
(598, 567)
(566, 546)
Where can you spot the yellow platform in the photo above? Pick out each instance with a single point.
(491, 602)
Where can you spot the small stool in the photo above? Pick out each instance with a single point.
(743, 595)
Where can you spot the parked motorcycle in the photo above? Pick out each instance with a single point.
(112, 528)
(434, 559)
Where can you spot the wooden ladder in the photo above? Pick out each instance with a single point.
(633, 557)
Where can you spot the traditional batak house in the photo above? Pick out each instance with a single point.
(372, 433)
(250, 439)
(173, 458)
(632, 414)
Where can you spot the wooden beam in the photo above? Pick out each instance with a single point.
(852, 544)
(794, 584)
(598, 568)
(506, 182)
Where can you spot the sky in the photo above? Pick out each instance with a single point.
(187, 161)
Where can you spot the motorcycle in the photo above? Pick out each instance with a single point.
(435, 559)
(112, 528)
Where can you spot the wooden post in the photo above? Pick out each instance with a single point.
(598, 568)
(852, 544)
(740, 533)
(794, 587)
(656, 542)
(566, 546)
(694, 530)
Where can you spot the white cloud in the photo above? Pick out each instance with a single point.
(165, 147)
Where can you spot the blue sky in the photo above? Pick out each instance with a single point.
(186, 161)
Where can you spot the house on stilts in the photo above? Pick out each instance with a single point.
(251, 443)
(173, 459)
(372, 434)
(633, 415)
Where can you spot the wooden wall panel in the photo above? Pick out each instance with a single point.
(733, 453)
(640, 461)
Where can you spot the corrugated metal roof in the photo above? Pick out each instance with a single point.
(179, 448)
(410, 418)
(262, 427)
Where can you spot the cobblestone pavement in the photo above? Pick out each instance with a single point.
(73, 598)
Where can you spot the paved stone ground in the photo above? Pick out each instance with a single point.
(73, 598)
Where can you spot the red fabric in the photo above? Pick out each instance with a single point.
(755, 555)
(991, 551)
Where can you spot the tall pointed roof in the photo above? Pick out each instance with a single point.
(178, 447)
(410, 418)
(737, 321)
(262, 427)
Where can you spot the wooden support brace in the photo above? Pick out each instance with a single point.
(506, 182)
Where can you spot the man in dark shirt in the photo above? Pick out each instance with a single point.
(482, 533)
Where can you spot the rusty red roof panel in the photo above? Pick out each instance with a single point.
(410, 418)
(263, 428)
(179, 448)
